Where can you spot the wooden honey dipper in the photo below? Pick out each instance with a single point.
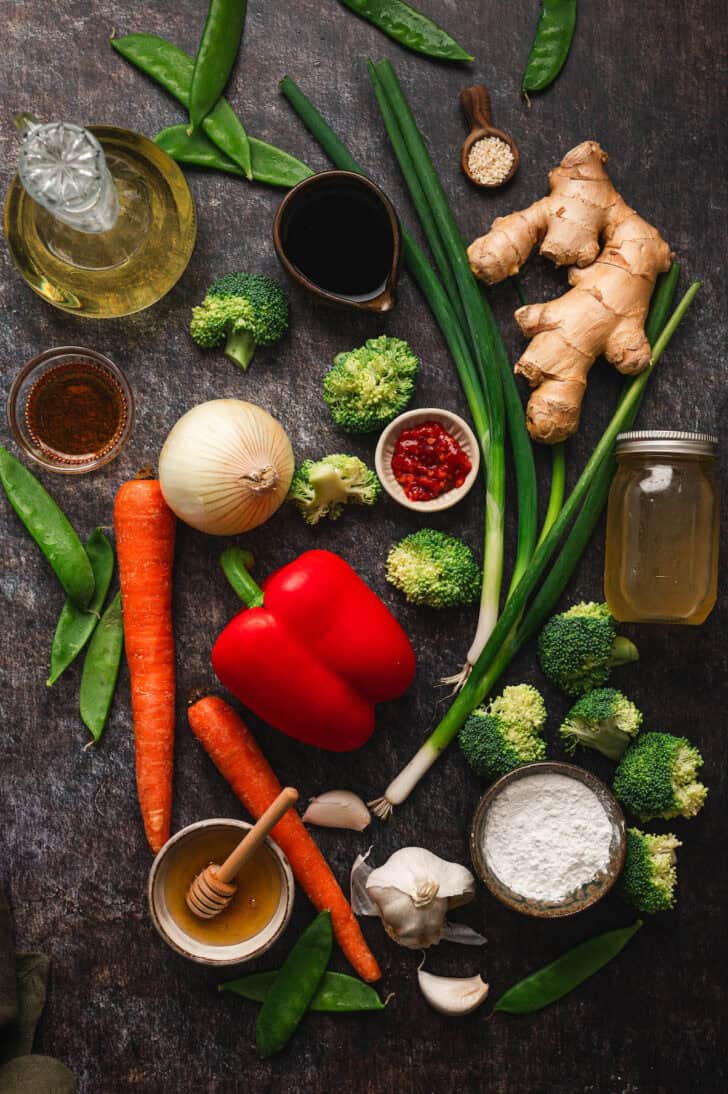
(213, 889)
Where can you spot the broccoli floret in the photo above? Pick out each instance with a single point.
(649, 876)
(657, 778)
(434, 570)
(578, 648)
(497, 738)
(244, 311)
(603, 719)
(321, 488)
(369, 386)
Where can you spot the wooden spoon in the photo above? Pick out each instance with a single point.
(213, 889)
(475, 102)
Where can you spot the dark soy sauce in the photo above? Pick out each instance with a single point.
(339, 237)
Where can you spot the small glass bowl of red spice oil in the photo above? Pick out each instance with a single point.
(71, 409)
(427, 459)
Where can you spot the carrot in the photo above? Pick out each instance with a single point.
(145, 530)
(232, 748)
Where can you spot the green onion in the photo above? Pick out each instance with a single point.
(584, 505)
(558, 466)
(556, 494)
(507, 636)
(443, 234)
(488, 348)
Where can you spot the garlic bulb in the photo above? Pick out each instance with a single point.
(338, 809)
(225, 467)
(452, 994)
(411, 894)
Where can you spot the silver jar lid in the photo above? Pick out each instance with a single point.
(674, 441)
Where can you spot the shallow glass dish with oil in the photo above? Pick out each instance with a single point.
(255, 918)
(71, 409)
(104, 275)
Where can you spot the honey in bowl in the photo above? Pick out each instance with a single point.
(251, 908)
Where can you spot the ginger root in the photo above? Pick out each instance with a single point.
(605, 310)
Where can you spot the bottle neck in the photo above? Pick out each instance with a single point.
(63, 168)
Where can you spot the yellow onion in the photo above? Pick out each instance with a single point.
(226, 467)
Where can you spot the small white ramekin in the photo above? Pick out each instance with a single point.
(456, 427)
(202, 952)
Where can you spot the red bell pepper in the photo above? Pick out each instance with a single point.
(314, 651)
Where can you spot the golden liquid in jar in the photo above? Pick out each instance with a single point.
(109, 274)
(251, 908)
(661, 560)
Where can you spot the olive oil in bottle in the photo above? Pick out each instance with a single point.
(99, 221)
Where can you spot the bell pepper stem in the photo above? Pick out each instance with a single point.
(236, 563)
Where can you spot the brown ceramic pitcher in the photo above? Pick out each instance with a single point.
(344, 217)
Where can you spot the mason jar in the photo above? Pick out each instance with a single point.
(661, 562)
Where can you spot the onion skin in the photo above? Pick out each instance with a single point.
(226, 467)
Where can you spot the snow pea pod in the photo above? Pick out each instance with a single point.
(551, 44)
(50, 528)
(172, 68)
(214, 61)
(270, 164)
(553, 981)
(294, 987)
(336, 994)
(75, 627)
(101, 667)
(410, 28)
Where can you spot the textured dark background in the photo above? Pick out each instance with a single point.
(126, 1013)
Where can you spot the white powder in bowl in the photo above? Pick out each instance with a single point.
(545, 835)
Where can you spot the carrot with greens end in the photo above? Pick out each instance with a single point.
(232, 748)
(145, 530)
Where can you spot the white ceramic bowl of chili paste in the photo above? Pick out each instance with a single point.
(458, 430)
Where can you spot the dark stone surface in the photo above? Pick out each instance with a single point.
(124, 1012)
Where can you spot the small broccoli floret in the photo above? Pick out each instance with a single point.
(369, 386)
(321, 488)
(504, 735)
(603, 719)
(578, 648)
(242, 310)
(657, 778)
(521, 705)
(649, 876)
(434, 570)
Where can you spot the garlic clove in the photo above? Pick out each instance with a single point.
(338, 809)
(452, 994)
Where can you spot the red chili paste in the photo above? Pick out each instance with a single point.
(428, 462)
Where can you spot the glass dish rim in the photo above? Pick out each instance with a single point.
(15, 413)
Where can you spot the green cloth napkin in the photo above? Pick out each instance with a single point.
(36, 1075)
(16, 1037)
(23, 985)
(8, 976)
